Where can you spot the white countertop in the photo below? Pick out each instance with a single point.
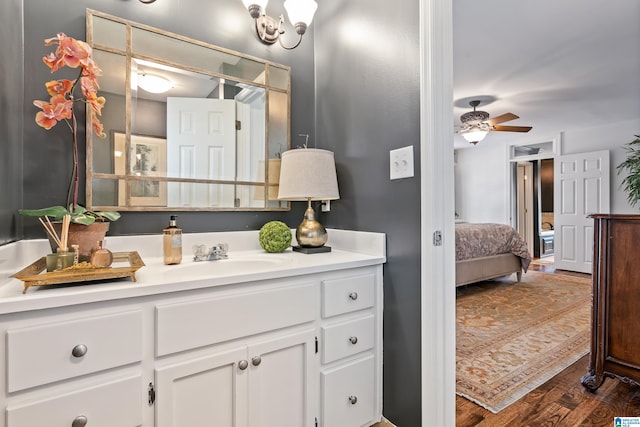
(247, 262)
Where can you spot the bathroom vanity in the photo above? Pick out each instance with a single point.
(255, 340)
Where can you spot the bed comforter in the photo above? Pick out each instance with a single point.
(481, 240)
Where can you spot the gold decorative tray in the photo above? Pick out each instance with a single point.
(32, 275)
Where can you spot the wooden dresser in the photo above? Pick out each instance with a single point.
(615, 339)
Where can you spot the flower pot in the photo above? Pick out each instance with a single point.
(85, 236)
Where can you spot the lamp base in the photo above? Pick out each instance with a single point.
(311, 250)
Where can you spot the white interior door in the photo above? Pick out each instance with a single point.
(581, 187)
(525, 203)
(201, 144)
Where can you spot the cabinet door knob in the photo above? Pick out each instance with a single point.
(79, 421)
(353, 400)
(243, 364)
(79, 350)
(353, 296)
(256, 361)
(353, 340)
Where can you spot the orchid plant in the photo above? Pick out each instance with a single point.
(76, 54)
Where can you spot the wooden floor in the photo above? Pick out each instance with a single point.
(562, 401)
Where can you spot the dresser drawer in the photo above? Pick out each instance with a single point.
(347, 294)
(46, 353)
(347, 338)
(348, 394)
(187, 325)
(118, 403)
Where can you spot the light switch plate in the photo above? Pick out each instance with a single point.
(401, 163)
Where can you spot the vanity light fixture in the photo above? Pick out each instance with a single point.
(154, 84)
(269, 29)
(308, 174)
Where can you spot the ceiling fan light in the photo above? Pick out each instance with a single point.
(475, 135)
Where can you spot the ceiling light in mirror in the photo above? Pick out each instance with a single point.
(154, 84)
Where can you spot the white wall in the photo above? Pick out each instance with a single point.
(481, 183)
(482, 177)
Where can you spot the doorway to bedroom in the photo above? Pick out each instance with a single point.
(532, 183)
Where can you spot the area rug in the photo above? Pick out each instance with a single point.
(513, 337)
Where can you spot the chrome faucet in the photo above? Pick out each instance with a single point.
(219, 251)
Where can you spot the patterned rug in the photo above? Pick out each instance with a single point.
(513, 337)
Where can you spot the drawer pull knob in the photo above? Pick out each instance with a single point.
(79, 351)
(256, 361)
(243, 364)
(353, 296)
(353, 400)
(79, 421)
(353, 340)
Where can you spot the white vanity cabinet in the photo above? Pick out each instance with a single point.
(351, 331)
(297, 346)
(259, 371)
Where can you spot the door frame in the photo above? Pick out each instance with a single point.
(512, 204)
(437, 211)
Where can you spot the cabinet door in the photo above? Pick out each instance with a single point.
(281, 381)
(207, 391)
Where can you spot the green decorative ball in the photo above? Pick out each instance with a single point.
(275, 236)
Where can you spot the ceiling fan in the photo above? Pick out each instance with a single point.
(477, 124)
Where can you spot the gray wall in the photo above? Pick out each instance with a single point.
(47, 159)
(11, 105)
(367, 103)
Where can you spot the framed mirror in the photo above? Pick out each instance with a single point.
(190, 126)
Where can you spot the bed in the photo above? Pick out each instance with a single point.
(487, 251)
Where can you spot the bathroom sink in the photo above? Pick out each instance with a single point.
(238, 263)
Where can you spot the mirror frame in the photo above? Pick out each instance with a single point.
(267, 186)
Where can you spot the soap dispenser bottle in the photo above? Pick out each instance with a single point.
(172, 242)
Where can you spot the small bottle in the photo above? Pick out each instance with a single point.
(101, 257)
(172, 242)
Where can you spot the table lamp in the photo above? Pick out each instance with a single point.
(308, 174)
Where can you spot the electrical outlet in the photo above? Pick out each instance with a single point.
(401, 163)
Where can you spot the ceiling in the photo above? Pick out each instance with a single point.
(559, 65)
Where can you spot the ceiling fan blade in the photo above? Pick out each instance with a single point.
(502, 118)
(512, 128)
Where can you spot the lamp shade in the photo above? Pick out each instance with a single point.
(300, 11)
(308, 174)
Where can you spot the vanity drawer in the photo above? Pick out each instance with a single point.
(46, 353)
(118, 403)
(347, 338)
(187, 325)
(348, 394)
(347, 294)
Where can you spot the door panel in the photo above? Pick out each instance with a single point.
(208, 391)
(201, 144)
(281, 383)
(581, 188)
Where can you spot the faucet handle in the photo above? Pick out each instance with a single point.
(199, 250)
